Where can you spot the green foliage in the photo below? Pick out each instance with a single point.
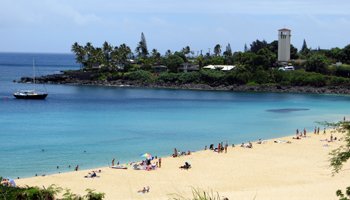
(342, 196)
(50, 193)
(68, 195)
(343, 70)
(168, 77)
(342, 154)
(191, 77)
(141, 49)
(317, 63)
(92, 195)
(212, 77)
(140, 75)
(198, 194)
(173, 62)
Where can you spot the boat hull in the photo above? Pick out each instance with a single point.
(36, 96)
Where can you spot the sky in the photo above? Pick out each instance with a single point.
(52, 26)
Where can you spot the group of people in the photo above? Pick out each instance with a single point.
(220, 149)
(247, 145)
(8, 182)
(178, 153)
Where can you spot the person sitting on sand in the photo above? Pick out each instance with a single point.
(297, 138)
(242, 145)
(259, 142)
(144, 190)
(91, 175)
(250, 145)
(186, 166)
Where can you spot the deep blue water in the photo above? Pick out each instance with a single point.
(89, 125)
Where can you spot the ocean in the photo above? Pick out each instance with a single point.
(90, 125)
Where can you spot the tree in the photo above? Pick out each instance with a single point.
(246, 48)
(217, 50)
(80, 53)
(173, 62)
(257, 45)
(316, 63)
(228, 51)
(304, 49)
(141, 49)
(186, 50)
(107, 50)
(341, 155)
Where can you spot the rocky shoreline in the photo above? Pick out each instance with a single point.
(71, 80)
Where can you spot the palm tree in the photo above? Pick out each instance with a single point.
(80, 53)
(107, 50)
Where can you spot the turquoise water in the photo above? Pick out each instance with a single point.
(89, 125)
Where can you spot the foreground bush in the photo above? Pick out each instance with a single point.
(50, 193)
(198, 194)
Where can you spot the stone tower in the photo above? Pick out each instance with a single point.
(284, 45)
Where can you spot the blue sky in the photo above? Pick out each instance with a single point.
(54, 25)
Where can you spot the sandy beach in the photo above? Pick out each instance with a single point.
(298, 170)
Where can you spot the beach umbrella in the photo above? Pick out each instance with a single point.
(146, 155)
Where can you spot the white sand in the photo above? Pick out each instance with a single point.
(268, 171)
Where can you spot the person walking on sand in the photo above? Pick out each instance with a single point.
(160, 162)
(318, 130)
(113, 162)
(226, 145)
(219, 148)
(304, 132)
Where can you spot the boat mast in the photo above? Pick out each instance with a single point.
(34, 72)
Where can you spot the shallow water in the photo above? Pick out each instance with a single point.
(90, 125)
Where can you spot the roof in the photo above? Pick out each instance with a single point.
(284, 29)
(221, 67)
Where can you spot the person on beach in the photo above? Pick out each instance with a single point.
(175, 153)
(318, 130)
(297, 132)
(113, 162)
(160, 162)
(219, 148)
(76, 168)
(144, 190)
(331, 138)
(304, 132)
(226, 145)
(315, 131)
(324, 131)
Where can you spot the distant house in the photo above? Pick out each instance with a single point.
(220, 67)
(159, 68)
(187, 67)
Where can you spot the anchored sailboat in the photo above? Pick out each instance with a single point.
(31, 94)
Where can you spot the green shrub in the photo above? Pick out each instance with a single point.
(92, 195)
(190, 77)
(168, 77)
(212, 77)
(198, 194)
(140, 75)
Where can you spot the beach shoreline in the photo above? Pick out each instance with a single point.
(268, 169)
